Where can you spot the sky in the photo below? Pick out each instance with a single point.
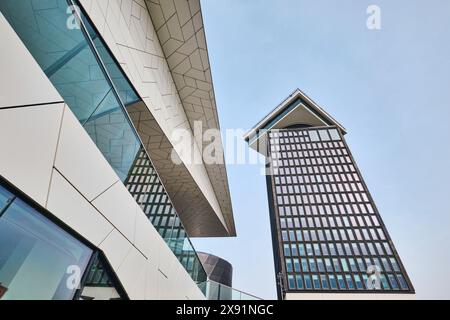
(390, 88)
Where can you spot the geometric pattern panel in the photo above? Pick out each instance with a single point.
(180, 30)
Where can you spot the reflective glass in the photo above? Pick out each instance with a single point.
(37, 256)
(100, 282)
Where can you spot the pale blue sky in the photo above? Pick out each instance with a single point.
(389, 88)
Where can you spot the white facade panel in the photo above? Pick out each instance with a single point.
(67, 204)
(143, 233)
(116, 248)
(151, 281)
(132, 274)
(28, 140)
(80, 161)
(22, 81)
(119, 207)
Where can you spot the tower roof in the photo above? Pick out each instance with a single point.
(297, 109)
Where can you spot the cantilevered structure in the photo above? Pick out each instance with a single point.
(92, 205)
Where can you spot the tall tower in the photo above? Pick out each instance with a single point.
(329, 240)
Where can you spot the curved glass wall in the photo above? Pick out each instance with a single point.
(78, 63)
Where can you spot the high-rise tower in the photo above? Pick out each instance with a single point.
(329, 240)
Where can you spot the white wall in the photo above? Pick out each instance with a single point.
(47, 154)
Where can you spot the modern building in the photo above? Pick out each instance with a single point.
(92, 203)
(220, 275)
(329, 240)
(217, 269)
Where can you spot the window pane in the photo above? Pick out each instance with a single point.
(100, 283)
(324, 135)
(5, 199)
(313, 135)
(308, 283)
(291, 282)
(35, 255)
(334, 134)
(299, 281)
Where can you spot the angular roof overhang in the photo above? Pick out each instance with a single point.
(296, 109)
(179, 26)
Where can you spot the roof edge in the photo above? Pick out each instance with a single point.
(297, 93)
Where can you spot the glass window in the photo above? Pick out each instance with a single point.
(353, 266)
(305, 265)
(100, 282)
(312, 265)
(289, 265)
(324, 135)
(287, 251)
(320, 265)
(313, 135)
(402, 282)
(394, 264)
(308, 284)
(384, 282)
(301, 249)
(334, 134)
(359, 284)
(299, 282)
(5, 199)
(344, 265)
(333, 283)
(37, 257)
(386, 265)
(297, 265)
(294, 249)
(328, 265)
(337, 267)
(324, 281)
(316, 282)
(309, 249)
(349, 280)
(361, 265)
(393, 282)
(291, 282)
(341, 282)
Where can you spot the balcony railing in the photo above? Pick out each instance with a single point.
(217, 291)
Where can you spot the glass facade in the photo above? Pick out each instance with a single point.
(99, 282)
(146, 187)
(69, 59)
(36, 255)
(329, 233)
(82, 69)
